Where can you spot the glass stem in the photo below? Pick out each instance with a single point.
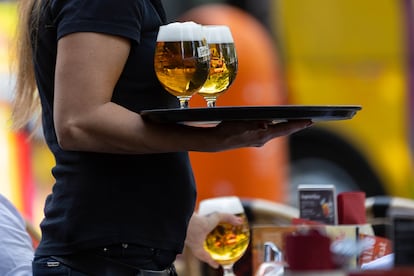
(211, 102)
(228, 270)
(184, 102)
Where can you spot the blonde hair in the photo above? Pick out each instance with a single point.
(25, 104)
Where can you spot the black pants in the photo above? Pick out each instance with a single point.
(115, 260)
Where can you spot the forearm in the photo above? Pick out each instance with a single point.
(114, 129)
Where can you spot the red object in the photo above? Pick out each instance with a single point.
(351, 208)
(308, 251)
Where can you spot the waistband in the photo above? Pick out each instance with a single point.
(96, 265)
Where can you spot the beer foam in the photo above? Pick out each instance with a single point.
(181, 31)
(229, 204)
(218, 34)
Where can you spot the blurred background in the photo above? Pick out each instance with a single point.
(320, 52)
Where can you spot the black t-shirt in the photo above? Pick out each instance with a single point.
(101, 199)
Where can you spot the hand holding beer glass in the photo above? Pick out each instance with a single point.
(226, 243)
(182, 59)
(223, 62)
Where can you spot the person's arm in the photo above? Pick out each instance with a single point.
(198, 229)
(87, 70)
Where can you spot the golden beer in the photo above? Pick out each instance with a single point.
(223, 62)
(227, 243)
(182, 59)
(181, 66)
(223, 69)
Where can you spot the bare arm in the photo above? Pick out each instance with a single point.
(88, 67)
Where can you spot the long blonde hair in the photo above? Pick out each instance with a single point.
(25, 104)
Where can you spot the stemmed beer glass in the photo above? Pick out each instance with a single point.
(226, 243)
(223, 62)
(182, 59)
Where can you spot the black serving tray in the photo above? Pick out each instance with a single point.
(208, 115)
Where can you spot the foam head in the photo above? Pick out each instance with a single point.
(181, 31)
(229, 204)
(218, 34)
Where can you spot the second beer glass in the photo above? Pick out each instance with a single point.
(226, 243)
(223, 62)
(182, 59)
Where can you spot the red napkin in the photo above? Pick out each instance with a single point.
(351, 208)
(308, 251)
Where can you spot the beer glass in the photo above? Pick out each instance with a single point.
(226, 243)
(182, 59)
(223, 62)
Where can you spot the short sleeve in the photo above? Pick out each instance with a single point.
(122, 17)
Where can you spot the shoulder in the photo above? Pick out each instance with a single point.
(98, 8)
(121, 17)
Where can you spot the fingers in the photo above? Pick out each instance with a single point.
(283, 127)
(216, 217)
(229, 218)
(289, 127)
(238, 134)
(269, 130)
(292, 124)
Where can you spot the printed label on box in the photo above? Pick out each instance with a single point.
(318, 203)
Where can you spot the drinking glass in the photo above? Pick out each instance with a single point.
(223, 62)
(226, 243)
(182, 59)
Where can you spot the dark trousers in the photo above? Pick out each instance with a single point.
(116, 260)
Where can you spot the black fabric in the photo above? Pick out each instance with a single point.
(100, 199)
(96, 266)
(99, 266)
